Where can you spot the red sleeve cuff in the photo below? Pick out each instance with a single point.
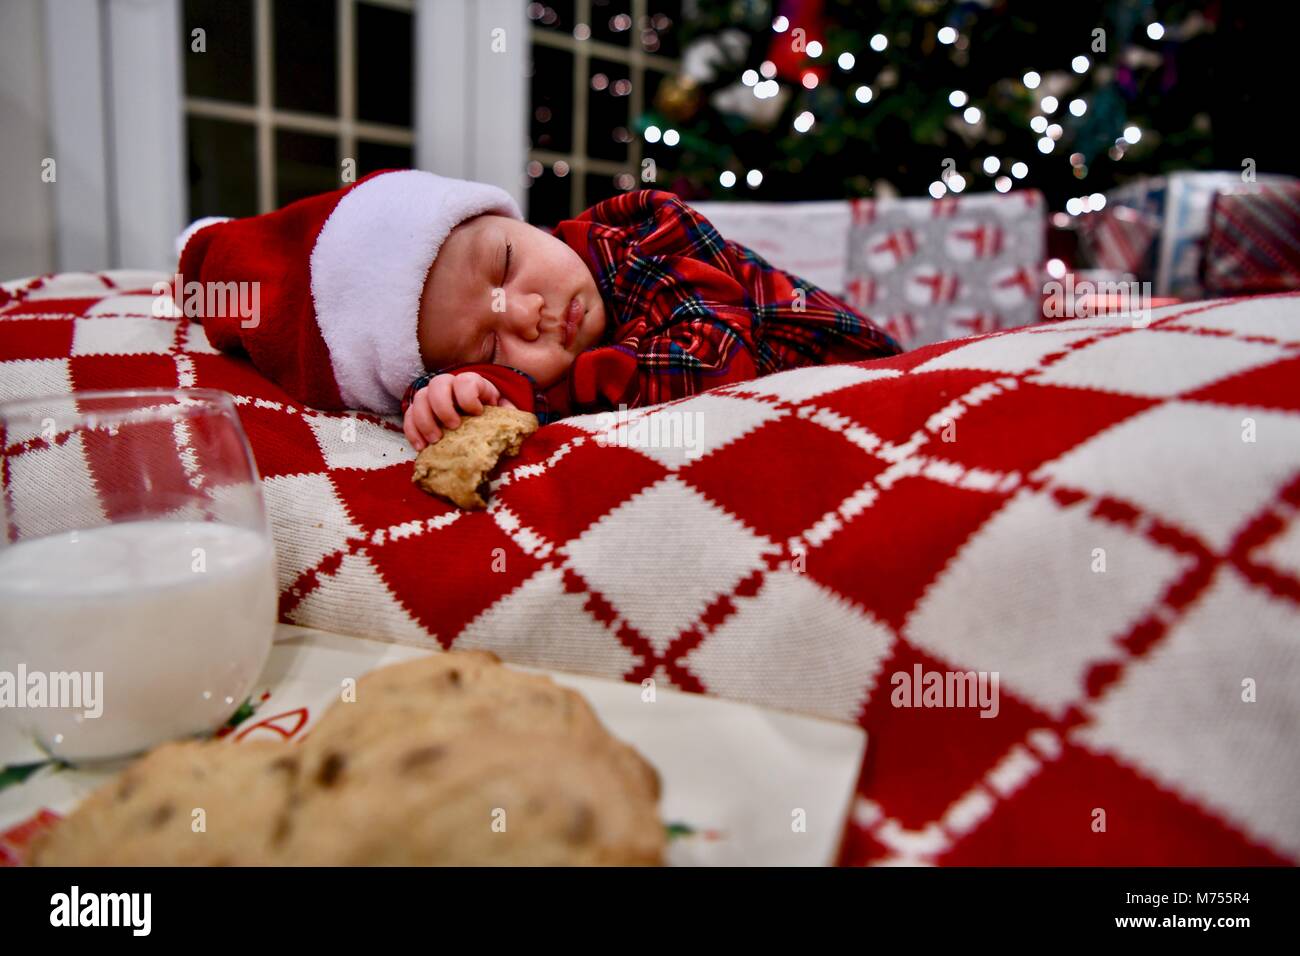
(511, 383)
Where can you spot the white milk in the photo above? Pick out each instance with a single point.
(179, 642)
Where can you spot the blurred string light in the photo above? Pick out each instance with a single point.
(1094, 202)
(767, 87)
(1056, 268)
(671, 137)
(652, 134)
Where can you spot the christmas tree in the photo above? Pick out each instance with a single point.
(823, 99)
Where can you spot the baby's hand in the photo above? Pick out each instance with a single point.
(440, 404)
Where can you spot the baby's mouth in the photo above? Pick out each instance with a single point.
(572, 317)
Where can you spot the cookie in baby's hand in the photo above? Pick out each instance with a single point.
(456, 466)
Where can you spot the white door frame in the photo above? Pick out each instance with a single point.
(113, 69)
(471, 95)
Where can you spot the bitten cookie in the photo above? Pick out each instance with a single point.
(147, 815)
(456, 466)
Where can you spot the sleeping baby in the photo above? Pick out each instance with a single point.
(413, 292)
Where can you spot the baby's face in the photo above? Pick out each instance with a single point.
(478, 308)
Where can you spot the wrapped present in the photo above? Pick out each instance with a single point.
(1120, 239)
(805, 238)
(1182, 201)
(1253, 244)
(934, 269)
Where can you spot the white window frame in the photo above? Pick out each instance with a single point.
(115, 87)
(262, 115)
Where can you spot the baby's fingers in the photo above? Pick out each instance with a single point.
(421, 416)
(442, 402)
(470, 391)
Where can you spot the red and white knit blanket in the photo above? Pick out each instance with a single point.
(1099, 517)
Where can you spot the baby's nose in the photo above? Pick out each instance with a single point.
(528, 315)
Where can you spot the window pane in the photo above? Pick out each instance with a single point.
(550, 125)
(658, 33)
(305, 55)
(662, 154)
(556, 15)
(600, 186)
(384, 79)
(608, 87)
(305, 164)
(222, 167)
(548, 198)
(611, 21)
(375, 156)
(224, 71)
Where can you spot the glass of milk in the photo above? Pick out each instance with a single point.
(138, 593)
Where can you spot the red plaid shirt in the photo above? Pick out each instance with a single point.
(686, 310)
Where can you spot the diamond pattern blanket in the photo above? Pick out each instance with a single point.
(1054, 571)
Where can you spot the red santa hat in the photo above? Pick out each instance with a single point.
(340, 277)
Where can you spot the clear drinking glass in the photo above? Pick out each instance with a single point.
(138, 595)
